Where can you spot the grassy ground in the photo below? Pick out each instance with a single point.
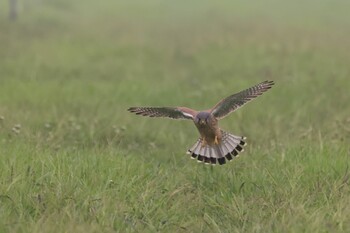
(72, 159)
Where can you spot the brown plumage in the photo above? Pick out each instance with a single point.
(214, 145)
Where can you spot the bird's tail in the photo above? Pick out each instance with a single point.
(228, 148)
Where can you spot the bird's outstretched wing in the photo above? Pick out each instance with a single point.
(171, 112)
(233, 102)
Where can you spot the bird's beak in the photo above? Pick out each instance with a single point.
(202, 122)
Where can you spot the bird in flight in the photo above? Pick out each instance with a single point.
(214, 145)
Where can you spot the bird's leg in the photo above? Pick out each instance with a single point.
(216, 141)
(204, 142)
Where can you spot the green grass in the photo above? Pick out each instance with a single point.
(72, 159)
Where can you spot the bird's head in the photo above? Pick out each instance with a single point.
(202, 118)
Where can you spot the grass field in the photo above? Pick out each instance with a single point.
(72, 159)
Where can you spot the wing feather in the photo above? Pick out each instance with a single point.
(171, 112)
(233, 102)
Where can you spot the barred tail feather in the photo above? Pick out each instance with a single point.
(229, 147)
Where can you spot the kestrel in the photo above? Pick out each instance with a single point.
(214, 145)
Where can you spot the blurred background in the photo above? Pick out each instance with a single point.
(70, 69)
(74, 160)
